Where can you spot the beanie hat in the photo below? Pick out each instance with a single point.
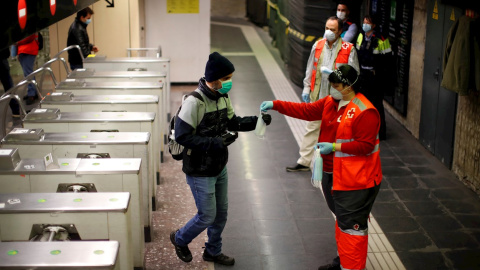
(217, 67)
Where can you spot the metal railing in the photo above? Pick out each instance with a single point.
(158, 51)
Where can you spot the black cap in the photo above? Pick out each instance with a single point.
(217, 67)
(344, 74)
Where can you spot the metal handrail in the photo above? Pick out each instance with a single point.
(69, 48)
(43, 68)
(20, 103)
(49, 63)
(158, 50)
(13, 90)
(4, 103)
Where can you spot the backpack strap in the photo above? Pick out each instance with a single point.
(197, 95)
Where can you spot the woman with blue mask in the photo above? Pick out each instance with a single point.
(351, 161)
(374, 52)
(206, 125)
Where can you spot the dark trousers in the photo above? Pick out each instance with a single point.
(351, 208)
(7, 83)
(27, 61)
(373, 91)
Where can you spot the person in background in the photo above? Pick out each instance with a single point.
(6, 79)
(374, 52)
(350, 29)
(27, 50)
(206, 126)
(77, 35)
(352, 188)
(330, 52)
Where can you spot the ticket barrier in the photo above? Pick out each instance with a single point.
(100, 255)
(67, 102)
(34, 143)
(103, 63)
(82, 87)
(77, 176)
(52, 121)
(69, 217)
(90, 75)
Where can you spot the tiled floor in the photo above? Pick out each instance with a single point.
(277, 220)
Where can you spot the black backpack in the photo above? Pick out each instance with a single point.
(176, 149)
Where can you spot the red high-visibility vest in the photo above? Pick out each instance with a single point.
(351, 172)
(342, 57)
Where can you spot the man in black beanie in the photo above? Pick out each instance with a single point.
(205, 126)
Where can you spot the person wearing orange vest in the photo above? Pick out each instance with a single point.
(330, 52)
(27, 50)
(354, 145)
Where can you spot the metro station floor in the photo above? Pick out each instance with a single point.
(423, 218)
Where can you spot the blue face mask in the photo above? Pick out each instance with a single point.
(226, 86)
(366, 27)
(88, 21)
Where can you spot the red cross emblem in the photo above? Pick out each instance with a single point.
(356, 227)
(345, 46)
(350, 113)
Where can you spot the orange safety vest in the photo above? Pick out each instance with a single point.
(351, 172)
(342, 57)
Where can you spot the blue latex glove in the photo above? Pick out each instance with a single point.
(325, 148)
(266, 105)
(306, 97)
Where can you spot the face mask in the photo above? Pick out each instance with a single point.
(366, 27)
(329, 35)
(335, 94)
(88, 21)
(341, 15)
(226, 86)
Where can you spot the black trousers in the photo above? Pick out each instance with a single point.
(7, 83)
(351, 207)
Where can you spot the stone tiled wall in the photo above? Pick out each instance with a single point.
(466, 156)
(417, 55)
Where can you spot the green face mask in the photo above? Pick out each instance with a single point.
(226, 86)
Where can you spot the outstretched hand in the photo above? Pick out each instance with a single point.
(266, 105)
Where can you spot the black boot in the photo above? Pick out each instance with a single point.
(221, 259)
(183, 252)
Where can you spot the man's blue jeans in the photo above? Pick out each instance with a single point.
(211, 199)
(27, 61)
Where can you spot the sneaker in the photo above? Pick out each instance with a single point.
(221, 259)
(183, 252)
(298, 168)
(329, 267)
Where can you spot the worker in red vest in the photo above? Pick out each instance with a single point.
(330, 52)
(354, 147)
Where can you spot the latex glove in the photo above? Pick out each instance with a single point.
(266, 105)
(325, 148)
(229, 137)
(267, 118)
(306, 97)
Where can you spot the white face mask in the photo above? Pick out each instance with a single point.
(335, 94)
(329, 35)
(341, 15)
